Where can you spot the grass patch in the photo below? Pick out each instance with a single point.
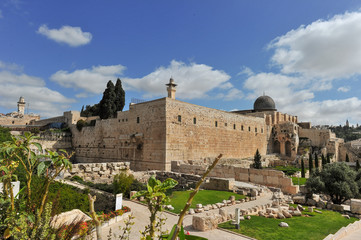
(302, 181)
(315, 226)
(288, 170)
(179, 198)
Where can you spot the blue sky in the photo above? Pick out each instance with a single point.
(305, 54)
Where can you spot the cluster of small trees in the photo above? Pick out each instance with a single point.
(113, 101)
(336, 180)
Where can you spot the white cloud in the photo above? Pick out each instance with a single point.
(194, 80)
(42, 100)
(10, 66)
(90, 80)
(343, 89)
(73, 36)
(328, 49)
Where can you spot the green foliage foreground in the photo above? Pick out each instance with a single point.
(315, 226)
(204, 197)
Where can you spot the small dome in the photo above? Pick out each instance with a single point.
(264, 103)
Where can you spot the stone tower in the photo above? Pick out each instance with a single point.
(21, 106)
(171, 88)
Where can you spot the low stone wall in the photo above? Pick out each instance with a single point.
(97, 172)
(265, 177)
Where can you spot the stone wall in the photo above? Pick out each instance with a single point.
(97, 172)
(136, 136)
(8, 121)
(318, 137)
(265, 177)
(195, 132)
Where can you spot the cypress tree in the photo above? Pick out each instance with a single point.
(357, 165)
(120, 96)
(257, 160)
(82, 111)
(316, 161)
(310, 163)
(107, 104)
(303, 169)
(324, 162)
(347, 159)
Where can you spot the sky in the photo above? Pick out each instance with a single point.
(306, 55)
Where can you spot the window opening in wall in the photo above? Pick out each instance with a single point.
(179, 118)
(126, 119)
(138, 120)
(234, 126)
(261, 130)
(249, 129)
(225, 124)
(194, 120)
(119, 120)
(242, 127)
(216, 124)
(255, 129)
(13, 122)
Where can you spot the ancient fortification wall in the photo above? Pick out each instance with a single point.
(136, 136)
(196, 132)
(266, 177)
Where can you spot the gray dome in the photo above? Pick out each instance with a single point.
(264, 103)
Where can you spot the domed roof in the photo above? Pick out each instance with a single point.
(264, 103)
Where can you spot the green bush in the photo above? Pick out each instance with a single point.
(80, 124)
(122, 183)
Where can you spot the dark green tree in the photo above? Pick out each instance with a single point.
(347, 158)
(257, 160)
(336, 180)
(310, 162)
(324, 162)
(5, 134)
(90, 111)
(303, 169)
(357, 165)
(316, 161)
(120, 96)
(328, 158)
(107, 104)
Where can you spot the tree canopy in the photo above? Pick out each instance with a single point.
(336, 180)
(113, 101)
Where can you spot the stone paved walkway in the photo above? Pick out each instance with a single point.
(141, 214)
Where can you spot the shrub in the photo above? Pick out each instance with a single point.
(80, 124)
(122, 183)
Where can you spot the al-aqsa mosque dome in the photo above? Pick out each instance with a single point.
(264, 103)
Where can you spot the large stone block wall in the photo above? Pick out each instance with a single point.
(265, 177)
(97, 172)
(137, 136)
(319, 137)
(213, 132)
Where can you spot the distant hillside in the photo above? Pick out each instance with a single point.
(347, 133)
